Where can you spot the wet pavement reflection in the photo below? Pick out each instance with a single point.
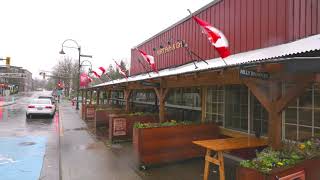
(13, 123)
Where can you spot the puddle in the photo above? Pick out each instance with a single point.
(27, 143)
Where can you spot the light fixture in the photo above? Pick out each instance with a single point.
(62, 52)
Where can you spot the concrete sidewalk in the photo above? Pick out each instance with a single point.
(82, 157)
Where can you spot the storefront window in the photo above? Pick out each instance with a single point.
(215, 105)
(259, 118)
(143, 101)
(236, 107)
(183, 104)
(302, 116)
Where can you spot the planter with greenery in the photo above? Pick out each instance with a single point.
(156, 143)
(121, 125)
(293, 157)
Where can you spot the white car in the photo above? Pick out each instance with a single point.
(40, 107)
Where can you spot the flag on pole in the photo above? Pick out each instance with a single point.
(121, 71)
(84, 80)
(96, 74)
(215, 37)
(149, 59)
(103, 71)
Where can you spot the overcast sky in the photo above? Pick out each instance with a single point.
(32, 31)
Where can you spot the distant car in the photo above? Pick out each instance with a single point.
(40, 107)
(53, 99)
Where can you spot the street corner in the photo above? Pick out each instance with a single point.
(22, 157)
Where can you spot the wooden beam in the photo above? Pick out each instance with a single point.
(294, 92)
(260, 93)
(204, 93)
(127, 94)
(275, 119)
(161, 96)
(98, 97)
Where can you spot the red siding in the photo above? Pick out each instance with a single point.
(248, 25)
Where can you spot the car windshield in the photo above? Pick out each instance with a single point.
(40, 101)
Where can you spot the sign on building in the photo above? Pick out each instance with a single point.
(254, 74)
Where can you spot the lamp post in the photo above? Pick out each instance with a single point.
(79, 65)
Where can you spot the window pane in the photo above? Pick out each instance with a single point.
(317, 133)
(291, 115)
(291, 132)
(305, 116)
(236, 107)
(304, 133)
(316, 96)
(317, 117)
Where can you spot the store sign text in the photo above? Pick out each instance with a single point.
(170, 48)
(254, 74)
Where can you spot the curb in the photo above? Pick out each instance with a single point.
(59, 144)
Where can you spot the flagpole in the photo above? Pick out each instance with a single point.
(196, 54)
(143, 67)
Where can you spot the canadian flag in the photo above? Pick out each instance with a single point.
(215, 37)
(121, 71)
(103, 71)
(96, 74)
(149, 59)
(84, 80)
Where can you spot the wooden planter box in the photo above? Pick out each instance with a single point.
(101, 118)
(168, 144)
(310, 167)
(121, 125)
(87, 111)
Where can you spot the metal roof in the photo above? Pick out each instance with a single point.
(311, 43)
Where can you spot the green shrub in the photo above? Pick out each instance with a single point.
(291, 154)
(163, 124)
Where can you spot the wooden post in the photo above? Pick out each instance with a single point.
(82, 96)
(269, 94)
(86, 93)
(127, 94)
(275, 119)
(91, 94)
(204, 93)
(161, 95)
(98, 96)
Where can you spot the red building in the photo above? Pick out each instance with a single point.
(248, 25)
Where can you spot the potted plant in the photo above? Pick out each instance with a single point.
(293, 157)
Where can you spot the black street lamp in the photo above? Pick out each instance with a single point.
(79, 65)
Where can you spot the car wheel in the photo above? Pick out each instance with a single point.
(28, 116)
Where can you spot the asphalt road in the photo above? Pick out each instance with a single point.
(13, 123)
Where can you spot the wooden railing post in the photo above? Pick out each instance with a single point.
(127, 94)
(98, 96)
(204, 92)
(161, 95)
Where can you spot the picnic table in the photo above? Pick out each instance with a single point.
(223, 145)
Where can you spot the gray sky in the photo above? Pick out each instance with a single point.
(32, 31)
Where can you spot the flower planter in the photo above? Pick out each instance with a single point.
(310, 166)
(173, 143)
(121, 125)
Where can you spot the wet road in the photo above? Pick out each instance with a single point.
(13, 123)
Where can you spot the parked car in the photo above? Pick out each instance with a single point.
(40, 107)
(53, 99)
